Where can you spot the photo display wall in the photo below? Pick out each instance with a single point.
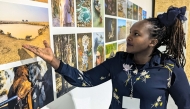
(82, 33)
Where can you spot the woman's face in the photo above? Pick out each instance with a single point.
(139, 38)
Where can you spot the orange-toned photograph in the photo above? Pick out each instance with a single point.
(122, 8)
(44, 1)
(28, 86)
(24, 25)
(122, 46)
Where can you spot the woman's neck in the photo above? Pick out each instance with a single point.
(142, 58)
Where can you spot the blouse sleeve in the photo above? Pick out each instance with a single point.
(92, 77)
(180, 90)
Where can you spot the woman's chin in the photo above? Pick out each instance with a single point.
(129, 51)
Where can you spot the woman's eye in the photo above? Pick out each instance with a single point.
(136, 34)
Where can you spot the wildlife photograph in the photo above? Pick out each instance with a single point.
(122, 8)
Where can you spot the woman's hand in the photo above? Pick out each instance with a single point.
(45, 53)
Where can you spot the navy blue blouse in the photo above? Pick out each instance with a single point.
(151, 82)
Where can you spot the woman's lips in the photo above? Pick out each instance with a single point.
(128, 44)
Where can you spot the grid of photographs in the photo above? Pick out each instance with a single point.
(85, 34)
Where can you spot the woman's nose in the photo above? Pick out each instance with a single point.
(128, 38)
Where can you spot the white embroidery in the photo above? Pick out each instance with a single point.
(127, 67)
(135, 71)
(102, 78)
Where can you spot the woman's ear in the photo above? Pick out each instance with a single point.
(153, 42)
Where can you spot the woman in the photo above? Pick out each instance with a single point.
(142, 74)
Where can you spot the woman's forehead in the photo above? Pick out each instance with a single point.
(141, 25)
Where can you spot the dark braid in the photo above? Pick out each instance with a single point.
(173, 37)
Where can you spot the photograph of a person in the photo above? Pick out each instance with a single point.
(122, 8)
(128, 27)
(121, 29)
(121, 46)
(98, 40)
(83, 13)
(129, 9)
(140, 13)
(143, 72)
(65, 50)
(31, 84)
(63, 13)
(135, 12)
(84, 46)
(110, 29)
(24, 25)
(111, 7)
(144, 14)
(98, 13)
(111, 50)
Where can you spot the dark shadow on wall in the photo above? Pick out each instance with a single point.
(23, 54)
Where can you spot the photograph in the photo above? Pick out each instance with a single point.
(85, 56)
(110, 29)
(98, 13)
(122, 8)
(24, 25)
(65, 50)
(63, 13)
(144, 14)
(129, 10)
(133, 22)
(83, 13)
(111, 50)
(98, 40)
(122, 46)
(32, 83)
(140, 13)
(121, 29)
(44, 1)
(111, 7)
(128, 26)
(135, 12)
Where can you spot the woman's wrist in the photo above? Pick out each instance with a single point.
(55, 63)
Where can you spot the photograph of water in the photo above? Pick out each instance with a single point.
(24, 25)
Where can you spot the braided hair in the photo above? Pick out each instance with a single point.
(173, 37)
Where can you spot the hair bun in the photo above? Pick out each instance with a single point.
(169, 18)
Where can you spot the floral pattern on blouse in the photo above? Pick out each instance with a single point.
(116, 96)
(158, 102)
(170, 68)
(144, 75)
(127, 68)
